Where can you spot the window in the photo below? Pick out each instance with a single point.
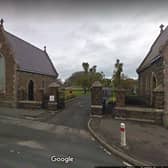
(154, 81)
(31, 90)
(2, 73)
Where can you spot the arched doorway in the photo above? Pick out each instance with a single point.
(31, 90)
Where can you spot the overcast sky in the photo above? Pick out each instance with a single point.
(97, 33)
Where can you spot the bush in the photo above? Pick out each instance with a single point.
(111, 100)
(136, 100)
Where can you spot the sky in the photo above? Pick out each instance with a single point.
(98, 33)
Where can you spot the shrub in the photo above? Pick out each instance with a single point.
(111, 100)
(136, 100)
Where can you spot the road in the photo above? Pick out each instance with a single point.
(30, 144)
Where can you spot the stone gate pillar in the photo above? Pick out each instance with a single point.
(96, 98)
(53, 96)
(120, 97)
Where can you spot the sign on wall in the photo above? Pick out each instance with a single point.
(52, 98)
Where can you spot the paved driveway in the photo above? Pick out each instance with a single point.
(75, 115)
(30, 144)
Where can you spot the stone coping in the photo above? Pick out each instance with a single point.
(96, 106)
(29, 102)
(140, 109)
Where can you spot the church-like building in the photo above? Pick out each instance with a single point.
(151, 70)
(25, 70)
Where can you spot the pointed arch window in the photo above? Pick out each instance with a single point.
(31, 90)
(154, 81)
(2, 73)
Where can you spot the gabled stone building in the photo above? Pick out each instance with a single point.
(25, 70)
(150, 71)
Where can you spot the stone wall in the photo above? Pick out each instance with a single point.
(41, 83)
(120, 97)
(158, 99)
(8, 96)
(140, 114)
(145, 79)
(165, 56)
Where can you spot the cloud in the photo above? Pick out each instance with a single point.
(98, 34)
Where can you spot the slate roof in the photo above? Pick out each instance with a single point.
(153, 54)
(30, 58)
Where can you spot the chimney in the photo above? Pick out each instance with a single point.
(161, 28)
(1, 23)
(45, 49)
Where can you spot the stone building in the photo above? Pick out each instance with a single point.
(25, 70)
(150, 71)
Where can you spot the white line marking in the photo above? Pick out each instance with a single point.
(109, 153)
(101, 147)
(127, 164)
(92, 139)
(11, 151)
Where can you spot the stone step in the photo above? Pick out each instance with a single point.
(7, 104)
(135, 119)
(29, 104)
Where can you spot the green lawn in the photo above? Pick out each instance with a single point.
(71, 93)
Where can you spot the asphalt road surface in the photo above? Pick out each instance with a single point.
(32, 144)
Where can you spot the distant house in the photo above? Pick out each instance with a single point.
(25, 70)
(150, 71)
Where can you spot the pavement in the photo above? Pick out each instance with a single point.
(32, 114)
(147, 144)
(31, 144)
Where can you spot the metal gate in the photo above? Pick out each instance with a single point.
(107, 93)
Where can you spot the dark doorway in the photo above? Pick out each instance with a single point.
(31, 90)
(154, 83)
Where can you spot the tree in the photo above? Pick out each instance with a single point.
(85, 66)
(106, 82)
(117, 73)
(129, 84)
(85, 78)
(93, 69)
